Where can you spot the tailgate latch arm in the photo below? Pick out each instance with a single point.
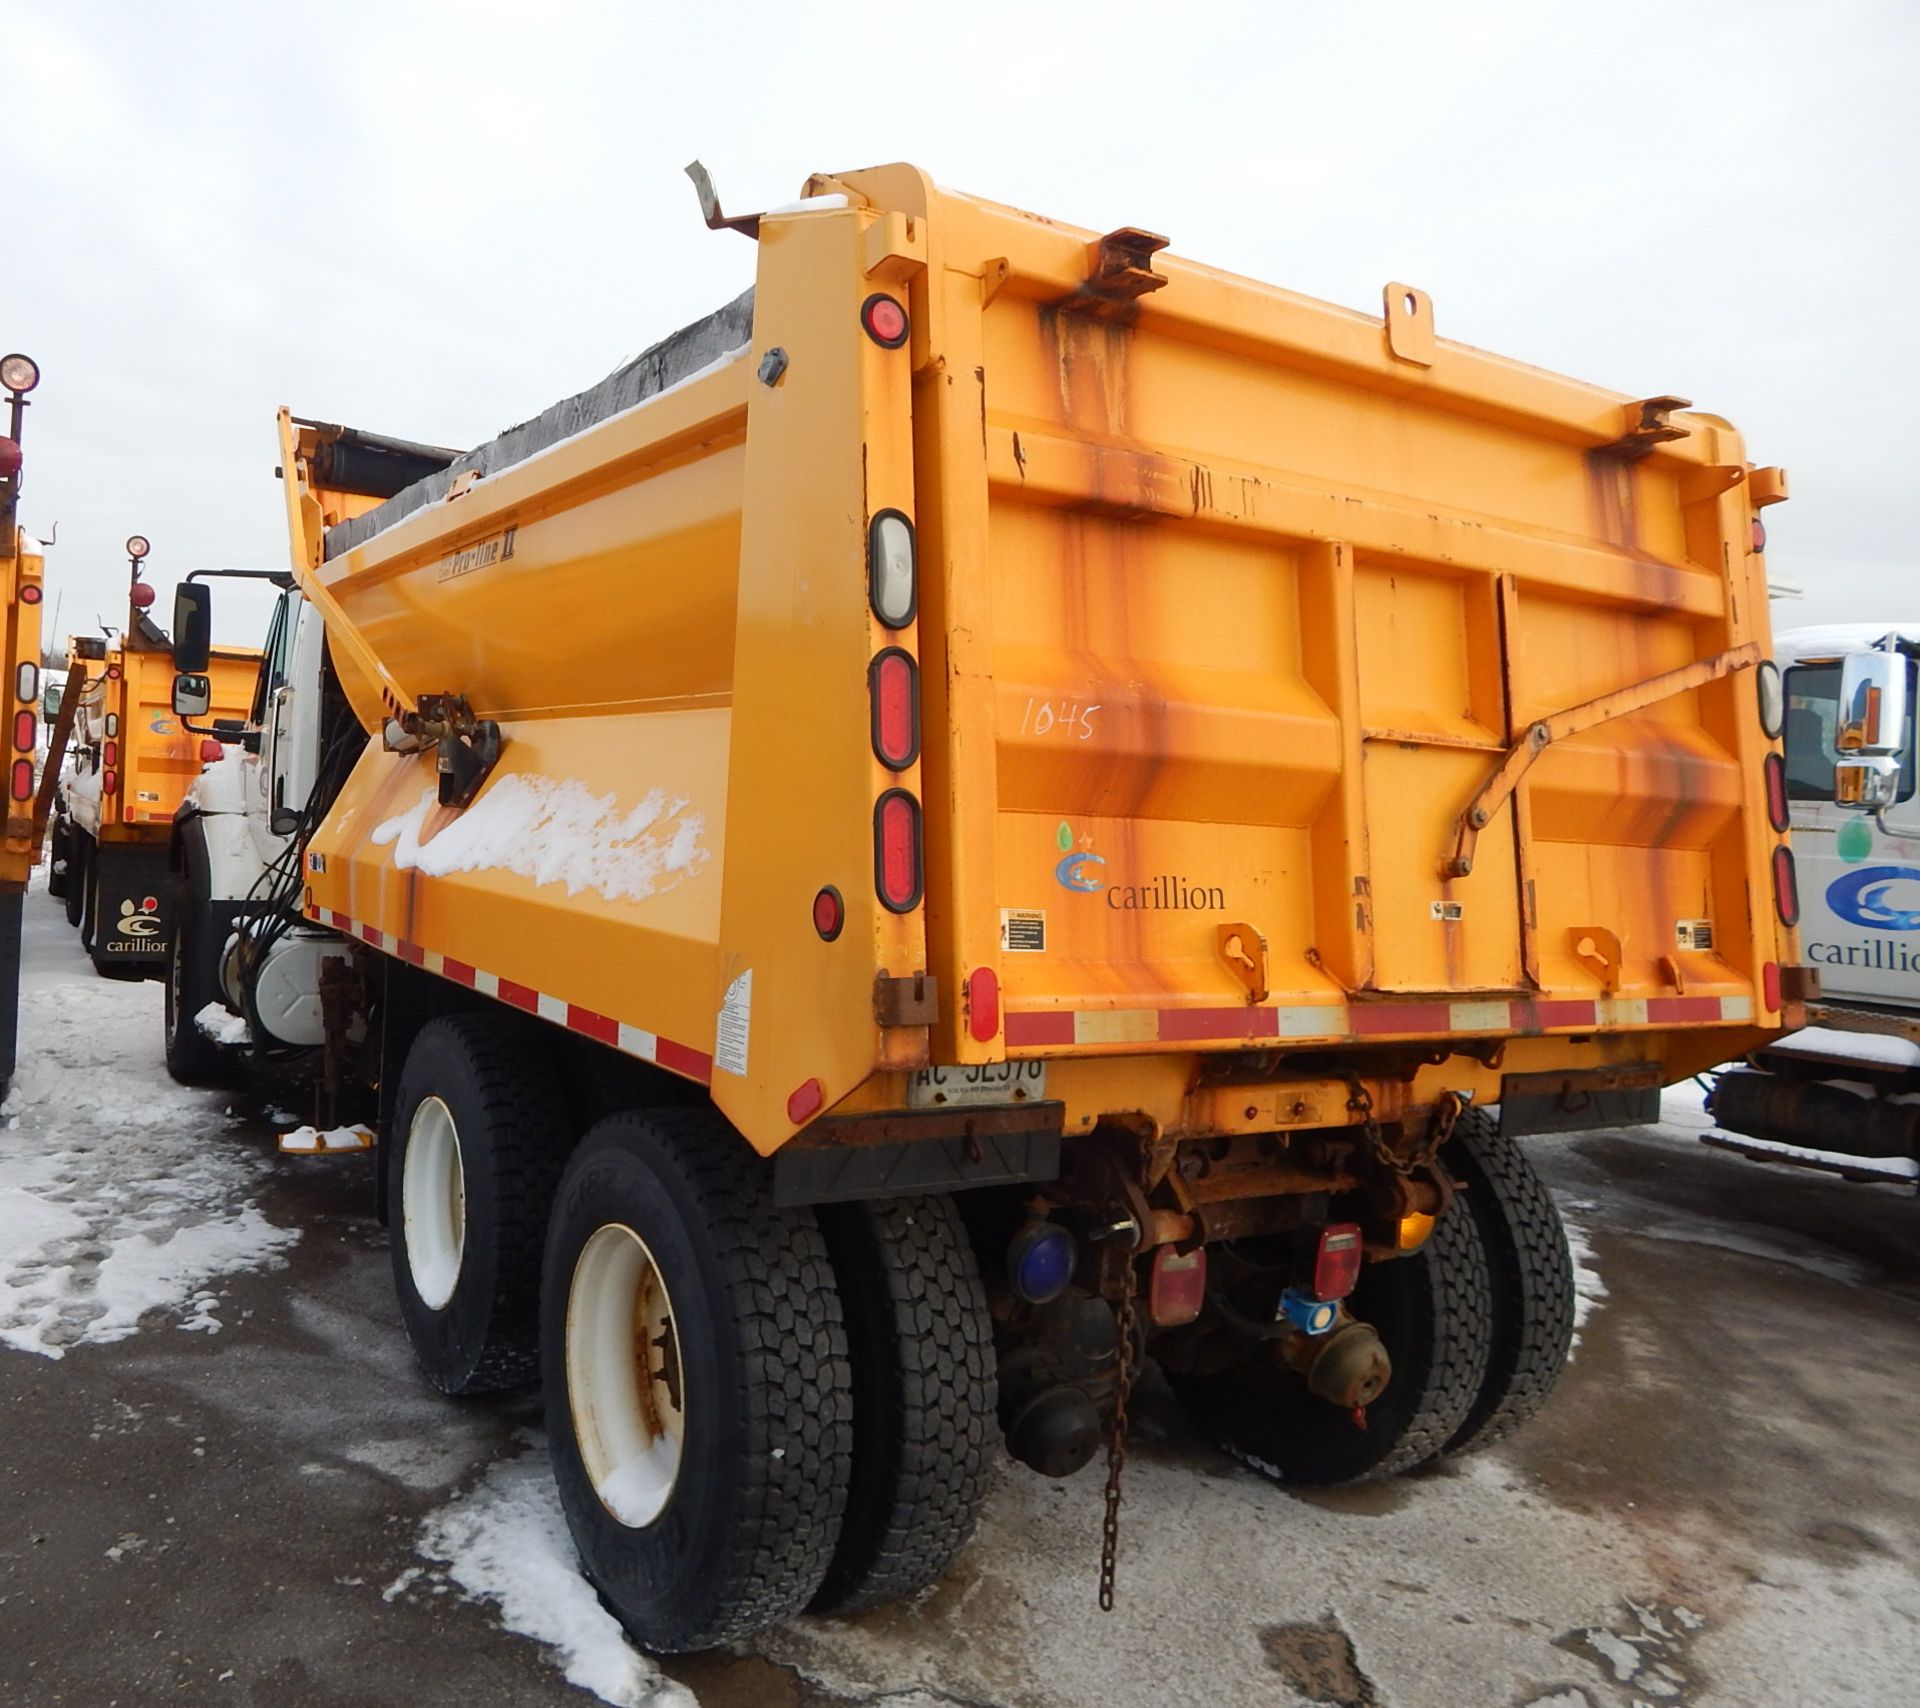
(1539, 736)
(466, 748)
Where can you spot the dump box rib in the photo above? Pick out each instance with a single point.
(651, 372)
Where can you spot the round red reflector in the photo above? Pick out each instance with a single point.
(1776, 775)
(885, 320)
(210, 750)
(23, 731)
(1770, 986)
(829, 913)
(983, 1004)
(893, 683)
(113, 673)
(30, 593)
(1759, 535)
(896, 850)
(1786, 887)
(110, 783)
(22, 779)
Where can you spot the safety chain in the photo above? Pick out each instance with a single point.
(1447, 1110)
(1117, 1432)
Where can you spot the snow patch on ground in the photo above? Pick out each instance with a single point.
(1588, 1288)
(554, 831)
(333, 1139)
(120, 1192)
(221, 1025)
(505, 1541)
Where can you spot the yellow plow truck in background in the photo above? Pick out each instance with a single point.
(22, 583)
(1005, 803)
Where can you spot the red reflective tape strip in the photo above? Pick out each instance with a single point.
(519, 996)
(411, 953)
(677, 1058)
(374, 935)
(1375, 1017)
(1180, 1023)
(1054, 1027)
(1670, 1010)
(1529, 1015)
(458, 971)
(592, 1024)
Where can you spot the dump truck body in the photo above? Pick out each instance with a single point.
(1093, 769)
(22, 572)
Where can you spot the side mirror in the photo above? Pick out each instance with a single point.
(1867, 785)
(192, 695)
(1873, 706)
(192, 629)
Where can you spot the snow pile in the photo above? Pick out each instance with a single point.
(1879, 1048)
(553, 832)
(119, 1192)
(221, 1025)
(506, 1542)
(308, 1139)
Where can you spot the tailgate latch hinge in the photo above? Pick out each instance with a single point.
(467, 747)
(913, 1000)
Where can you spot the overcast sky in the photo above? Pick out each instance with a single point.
(433, 218)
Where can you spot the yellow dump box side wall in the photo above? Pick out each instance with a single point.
(159, 757)
(1229, 603)
(21, 571)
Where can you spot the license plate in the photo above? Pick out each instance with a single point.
(969, 1087)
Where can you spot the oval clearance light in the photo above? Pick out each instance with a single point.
(983, 1004)
(110, 754)
(29, 593)
(893, 686)
(22, 781)
(896, 850)
(1772, 695)
(885, 320)
(110, 782)
(1786, 887)
(113, 723)
(891, 572)
(829, 913)
(23, 731)
(1770, 986)
(26, 682)
(1759, 535)
(1776, 775)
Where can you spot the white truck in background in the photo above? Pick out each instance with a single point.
(1843, 1095)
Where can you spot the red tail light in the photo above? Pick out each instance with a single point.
(829, 913)
(24, 730)
(29, 593)
(1786, 887)
(983, 1004)
(1770, 986)
(1177, 1287)
(885, 320)
(896, 850)
(9, 458)
(110, 754)
(1776, 773)
(893, 683)
(113, 673)
(110, 783)
(1759, 535)
(210, 750)
(1336, 1261)
(22, 782)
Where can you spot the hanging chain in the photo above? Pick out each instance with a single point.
(1117, 1432)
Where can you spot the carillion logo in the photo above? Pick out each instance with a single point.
(1079, 868)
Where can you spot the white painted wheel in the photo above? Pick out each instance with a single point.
(433, 1203)
(625, 1379)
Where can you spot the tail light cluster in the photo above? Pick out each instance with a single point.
(1771, 697)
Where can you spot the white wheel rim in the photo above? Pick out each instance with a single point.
(625, 1379)
(433, 1203)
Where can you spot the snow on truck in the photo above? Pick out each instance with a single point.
(22, 581)
(1003, 803)
(132, 762)
(1840, 1096)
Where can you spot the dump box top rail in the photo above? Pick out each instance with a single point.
(1278, 678)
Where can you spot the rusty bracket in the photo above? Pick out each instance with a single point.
(913, 1000)
(710, 205)
(1767, 486)
(1120, 265)
(1645, 425)
(1541, 734)
(467, 747)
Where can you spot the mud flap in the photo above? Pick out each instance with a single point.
(1579, 1101)
(136, 905)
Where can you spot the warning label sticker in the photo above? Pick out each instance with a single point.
(736, 1021)
(1695, 934)
(1023, 930)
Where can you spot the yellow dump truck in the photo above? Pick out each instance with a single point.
(22, 570)
(131, 762)
(1006, 803)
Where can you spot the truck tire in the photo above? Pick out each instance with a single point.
(1430, 1310)
(924, 1396)
(705, 1490)
(80, 864)
(193, 981)
(474, 1151)
(59, 858)
(1531, 1271)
